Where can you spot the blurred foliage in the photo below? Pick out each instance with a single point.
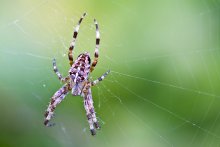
(163, 89)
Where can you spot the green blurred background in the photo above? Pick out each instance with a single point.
(163, 89)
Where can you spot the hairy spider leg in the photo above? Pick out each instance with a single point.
(96, 55)
(58, 73)
(90, 111)
(96, 124)
(72, 44)
(100, 78)
(55, 100)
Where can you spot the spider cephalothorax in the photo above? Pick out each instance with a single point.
(78, 81)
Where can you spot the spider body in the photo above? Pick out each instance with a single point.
(78, 81)
(79, 73)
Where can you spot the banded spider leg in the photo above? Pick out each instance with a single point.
(60, 77)
(55, 100)
(96, 54)
(72, 44)
(88, 103)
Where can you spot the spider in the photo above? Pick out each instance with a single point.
(78, 81)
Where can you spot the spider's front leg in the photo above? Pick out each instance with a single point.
(58, 73)
(96, 55)
(72, 44)
(90, 111)
(55, 100)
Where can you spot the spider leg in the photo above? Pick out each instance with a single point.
(96, 47)
(100, 78)
(90, 111)
(55, 100)
(72, 44)
(58, 73)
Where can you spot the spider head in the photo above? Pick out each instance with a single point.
(85, 55)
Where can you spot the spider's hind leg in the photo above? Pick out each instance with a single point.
(55, 100)
(90, 111)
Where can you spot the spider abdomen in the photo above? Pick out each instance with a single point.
(79, 72)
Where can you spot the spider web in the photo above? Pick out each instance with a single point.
(155, 95)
